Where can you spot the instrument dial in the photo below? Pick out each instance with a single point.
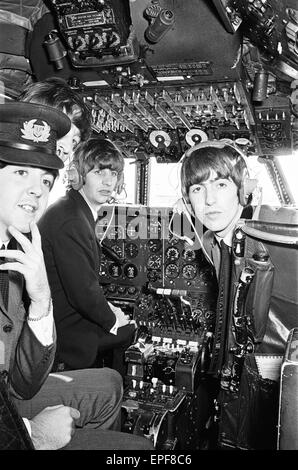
(154, 245)
(189, 255)
(172, 271)
(111, 288)
(189, 271)
(132, 231)
(130, 271)
(154, 262)
(131, 250)
(172, 253)
(115, 270)
(118, 250)
(132, 290)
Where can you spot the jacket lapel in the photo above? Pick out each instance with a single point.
(80, 201)
(82, 204)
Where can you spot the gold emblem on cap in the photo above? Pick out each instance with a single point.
(36, 132)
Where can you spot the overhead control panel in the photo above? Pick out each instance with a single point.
(99, 36)
(166, 120)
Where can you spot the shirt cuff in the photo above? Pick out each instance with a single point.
(28, 426)
(43, 329)
(114, 329)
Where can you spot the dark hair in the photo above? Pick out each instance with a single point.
(100, 153)
(57, 93)
(226, 162)
(51, 171)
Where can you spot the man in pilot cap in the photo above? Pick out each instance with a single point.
(52, 404)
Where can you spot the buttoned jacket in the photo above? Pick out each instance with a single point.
(72, 257)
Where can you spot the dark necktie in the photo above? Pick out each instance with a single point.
(4, 286)
(222, 310)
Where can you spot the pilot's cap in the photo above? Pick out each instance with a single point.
(29, 134)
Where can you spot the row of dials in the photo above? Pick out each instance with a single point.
(172, 271)
(131, 249)
(154, 261)
(172, 253)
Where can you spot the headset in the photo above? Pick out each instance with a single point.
(76, 177)
(246, 189)
(248, 184)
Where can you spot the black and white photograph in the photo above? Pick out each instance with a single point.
(149, 228)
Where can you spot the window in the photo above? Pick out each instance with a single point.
(164, 183)
(289, 167)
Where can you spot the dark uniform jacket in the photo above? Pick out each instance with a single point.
(72, 259)
(23, 359)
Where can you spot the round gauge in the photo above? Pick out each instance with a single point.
(154, 245)
(118, 250)
(172, 253)
(189, 255)
(131, 250)
(132, 231)
(130, 271)
(199, 317)
(189, 271)
(111, 288)
(121, 289)
(115, 270)
(154, 262)
(132, 290)
(152, 275)
(159, 138)
(171, 271)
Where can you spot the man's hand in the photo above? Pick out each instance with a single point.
(30, 263)
(53, 427)
(121, 317)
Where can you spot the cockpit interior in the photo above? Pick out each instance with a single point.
(160, 77)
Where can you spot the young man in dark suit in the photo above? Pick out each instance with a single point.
(216, 190)
(28, 167)
(53, 405)
(86, 323)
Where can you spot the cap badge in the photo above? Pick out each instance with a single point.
(36, 132)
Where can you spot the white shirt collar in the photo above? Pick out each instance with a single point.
(228, 238)
(94, 212)
(4, 243)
